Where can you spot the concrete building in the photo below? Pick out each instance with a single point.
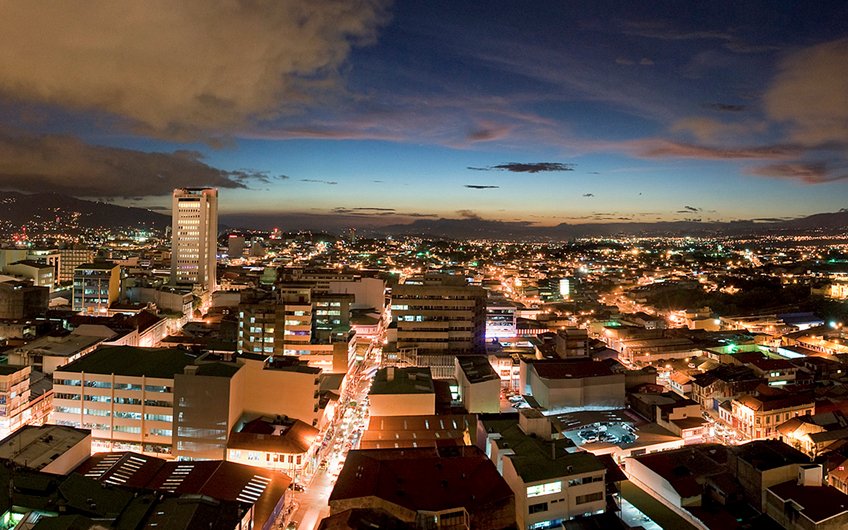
(70, 259)
(235, 246)
(479, 384)
(40, 273)
(19, 299)
(678, 415)
(207, 405)
(500, 319)
(96, 286)
(760, 464)
(194, 237)
(167, 299)
(261, 327)
(48, 353)
(368, 293)
(436, 488)
(14, 397)
(285, 386)
(678, 476)
(572, 343)
(402, 392)
(440, 315)
(551, 484)
(125, 395)
(798, 507)
(563, 384)
(50, 449)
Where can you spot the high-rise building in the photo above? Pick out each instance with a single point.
(194, 236)
(440, 315)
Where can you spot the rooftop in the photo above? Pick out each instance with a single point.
(537, 459)
(765, 455)
(61, 346)
(417, 431)
(567, 369)
(411, 380)
(36, 447)
(769, 398)
(477, 368)
(289, 436)
(423, 479)
(132, 361)
(685, 469)
(816, 503)
(100, 265)
(224, 481)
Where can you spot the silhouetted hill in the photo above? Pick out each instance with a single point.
(20, 209)
(480, 228)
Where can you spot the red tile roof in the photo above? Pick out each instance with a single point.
(420, 479)
(226, 481)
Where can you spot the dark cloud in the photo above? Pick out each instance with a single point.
(468, 214)
(588, 194)
(361, 211)
(488, 134)
(481, 187)
(724, 107)
(178, 70)
(320, 181)
(692, 209)
(666, 149)
(527, 167)
(807, 172)
(65, 164)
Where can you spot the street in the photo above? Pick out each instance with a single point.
(350, 420)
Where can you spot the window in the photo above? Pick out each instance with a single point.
(538, 508)
(544, 489)
(592, 497)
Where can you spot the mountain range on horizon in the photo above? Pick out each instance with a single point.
(20, 209)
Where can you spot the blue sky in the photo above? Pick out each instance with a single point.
(374, 113)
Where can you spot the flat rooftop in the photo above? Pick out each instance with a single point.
(477, 368)
(412, 380)
(132, 361)
(64, 346)
(35, 447)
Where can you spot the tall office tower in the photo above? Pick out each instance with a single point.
(194, 236)
(440, 315)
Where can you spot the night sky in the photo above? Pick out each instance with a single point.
(379, 113)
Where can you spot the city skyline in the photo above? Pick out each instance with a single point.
(378, 113)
